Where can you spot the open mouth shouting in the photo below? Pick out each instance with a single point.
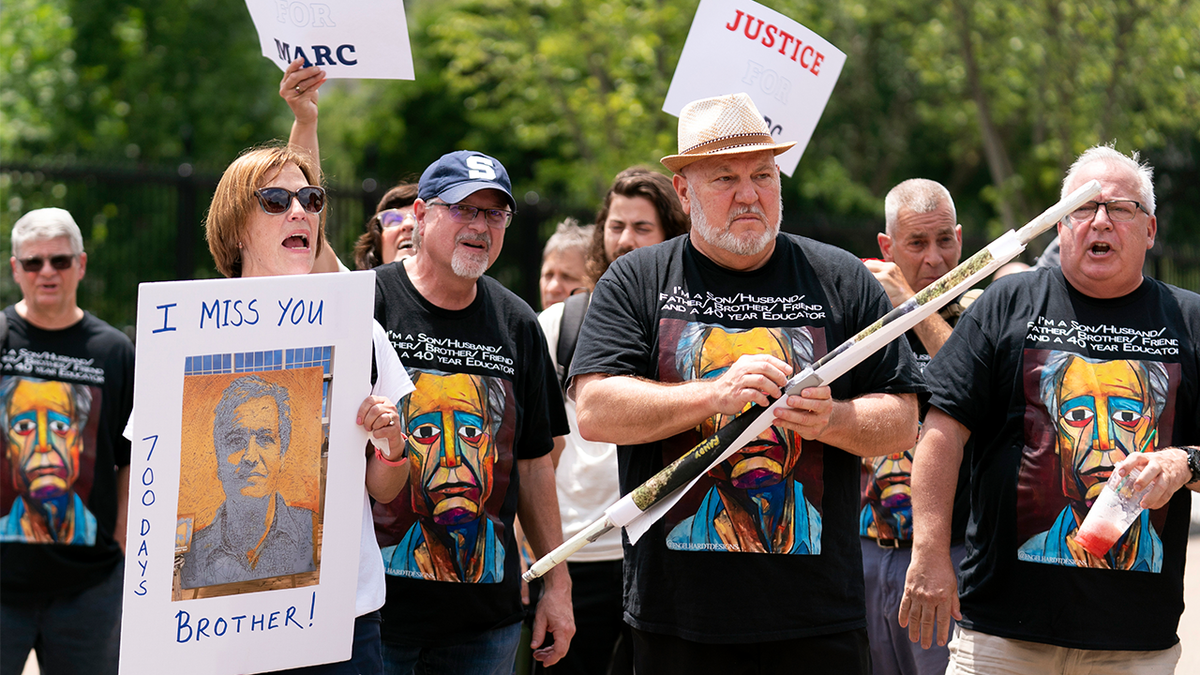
(297, 241)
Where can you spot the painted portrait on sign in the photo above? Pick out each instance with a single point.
(755, 501)
(1084, 416)
(460, 446)
(250, 477)
(49, 432)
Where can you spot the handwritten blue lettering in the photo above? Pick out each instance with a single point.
(297, 312)
(165, 327)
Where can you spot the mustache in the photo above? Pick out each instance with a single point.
(743, 210)
(484, 238)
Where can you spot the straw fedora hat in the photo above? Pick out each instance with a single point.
(722, 125)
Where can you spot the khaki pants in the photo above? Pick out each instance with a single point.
(975, 653)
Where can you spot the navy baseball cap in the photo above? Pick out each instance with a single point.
(457, 175)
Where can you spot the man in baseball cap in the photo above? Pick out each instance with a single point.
(480, 427)
(757, 569)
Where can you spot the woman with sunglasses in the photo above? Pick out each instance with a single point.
(389, 233)
(267, 219)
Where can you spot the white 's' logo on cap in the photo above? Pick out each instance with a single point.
(480, 168)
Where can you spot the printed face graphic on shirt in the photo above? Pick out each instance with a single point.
(450, 431)
(44, 439)
(1105, 414)
(755, 504)
(767, 459)
(448, 527)
(889, 496)
(1087, 415)
(43, 424)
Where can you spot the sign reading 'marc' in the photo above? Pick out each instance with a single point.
(365, 39)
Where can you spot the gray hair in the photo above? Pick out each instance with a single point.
(81, 395)
(43, 224)
(918, 195)
(569, 235)
(1141, 171)
(1055, 369)
(245, 389)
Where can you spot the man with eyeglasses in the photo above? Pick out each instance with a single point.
(480, 429)
(1062, 377)
(66, 389)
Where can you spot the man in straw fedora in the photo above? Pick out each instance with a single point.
(682, 336)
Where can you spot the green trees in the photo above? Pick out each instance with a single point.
(992, 97)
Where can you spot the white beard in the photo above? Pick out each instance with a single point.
(745, 244)
(471, 264)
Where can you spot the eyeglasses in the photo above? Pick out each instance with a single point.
(394, 217)
(58, 262)
(465, 215)
(1118, 210)
(277, 200)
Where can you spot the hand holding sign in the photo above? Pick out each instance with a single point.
(350, 39)
(788, 70)
(299, 88)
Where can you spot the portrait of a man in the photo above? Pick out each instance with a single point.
(888, 487)
(255, 533)
(43, 423)
(452, 422)
(756, 504)
(1102, 412)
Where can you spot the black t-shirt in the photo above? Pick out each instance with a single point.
(486, 397)
(764, 547)
(1046, 377)
(886, 511)
(70, 391)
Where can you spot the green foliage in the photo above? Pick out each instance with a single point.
(134, 80)
(991, 97)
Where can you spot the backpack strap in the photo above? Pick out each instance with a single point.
(574, 309)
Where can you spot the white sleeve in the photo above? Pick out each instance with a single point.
(392, 381)
(127, 432)
(551, 321)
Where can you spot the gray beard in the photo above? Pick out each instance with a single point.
(744, 245)
(469, 264)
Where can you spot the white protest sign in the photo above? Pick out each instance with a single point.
(740, 46)
(240, 386)
(365, 39)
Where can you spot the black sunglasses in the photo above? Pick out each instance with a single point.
(58, 262)
(277, 200)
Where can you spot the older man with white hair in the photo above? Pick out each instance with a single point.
(66, 389)
(757, 569)
(1063, 377)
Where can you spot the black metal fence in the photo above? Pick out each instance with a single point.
(143, 225)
